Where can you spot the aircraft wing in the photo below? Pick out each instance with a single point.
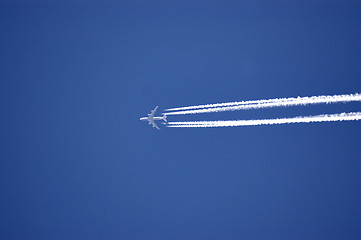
(153, 112)
(153, 123)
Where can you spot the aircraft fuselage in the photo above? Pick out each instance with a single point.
(148, 118)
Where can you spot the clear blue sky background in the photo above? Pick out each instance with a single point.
(76, 162)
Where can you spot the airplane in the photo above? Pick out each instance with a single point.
(151, 118)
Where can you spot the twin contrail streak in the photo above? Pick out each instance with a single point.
(353, 116)
(227, 104)
(256, 104)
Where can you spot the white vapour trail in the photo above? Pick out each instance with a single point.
(228, 104)
(281, 102)
(352, 116)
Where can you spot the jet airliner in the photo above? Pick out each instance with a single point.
(151, 118)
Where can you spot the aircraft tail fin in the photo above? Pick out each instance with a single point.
(165, 118)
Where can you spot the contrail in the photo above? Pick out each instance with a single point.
(352, 116)
(228, 104)
(278, 102)
(256, 102)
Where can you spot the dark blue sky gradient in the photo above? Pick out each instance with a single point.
(76, 162)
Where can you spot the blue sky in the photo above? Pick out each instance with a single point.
(76, 162)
